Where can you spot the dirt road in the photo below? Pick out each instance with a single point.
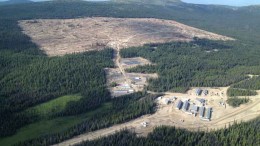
(117, 62)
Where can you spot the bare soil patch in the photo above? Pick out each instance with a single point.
(133, 62)
(65, 36)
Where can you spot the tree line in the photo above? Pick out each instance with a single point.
(231, 92)
(250, 84)
(237, 101)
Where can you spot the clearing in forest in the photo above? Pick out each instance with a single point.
(126, 83)
(65, 36)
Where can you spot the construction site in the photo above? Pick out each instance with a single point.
(126, 83)
(169, 114)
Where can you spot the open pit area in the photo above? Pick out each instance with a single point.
(65, 36)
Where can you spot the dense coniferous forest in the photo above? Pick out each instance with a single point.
(236, 101)
(29, 78)
(238, 134)
(122, 109)
(47, 78)
(196, 64)
(252, 84)
(231, 92)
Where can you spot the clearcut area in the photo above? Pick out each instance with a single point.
(65, 36)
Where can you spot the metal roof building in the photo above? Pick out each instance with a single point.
(201, 100)
(120, 91)
(202, 110)
(179, 105)
(208, 114)
(186, 106)
(198, 92)
(194, 108)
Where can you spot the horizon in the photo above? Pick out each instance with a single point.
(238, 3)
(51, 0)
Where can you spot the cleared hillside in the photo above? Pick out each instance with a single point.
(154, 2)
(64, 36)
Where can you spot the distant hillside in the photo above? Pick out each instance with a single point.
(255, 9)
(154, 2)
(15, 2)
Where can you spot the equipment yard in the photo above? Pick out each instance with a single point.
(136, 81)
